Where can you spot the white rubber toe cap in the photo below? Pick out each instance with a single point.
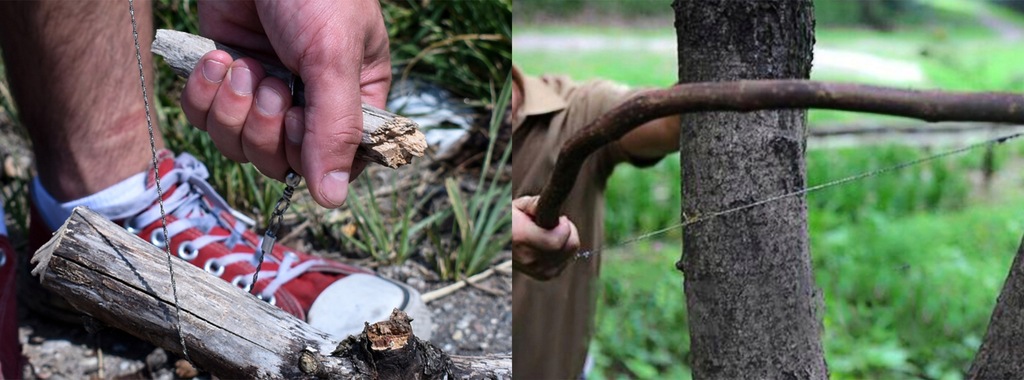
(344, 306)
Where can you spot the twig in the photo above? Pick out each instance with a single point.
(486, 289)
(446, 42)
(439, 293)
(99, 361)
(745, 96)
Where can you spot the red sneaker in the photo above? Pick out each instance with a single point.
(10, 347)
(203, 230)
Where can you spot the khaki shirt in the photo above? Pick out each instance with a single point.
(553, 320)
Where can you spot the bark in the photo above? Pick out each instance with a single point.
(755, 95)
(388, 139)
(1001, 351)
(122, 281)
(752, 303)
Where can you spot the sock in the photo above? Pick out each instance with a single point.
(113, 202)
(3, 221)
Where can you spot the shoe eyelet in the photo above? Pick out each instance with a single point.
(131, 230)
(213, 267)
(272, 300)
(187, 251)
(158, 239)
(239, 280)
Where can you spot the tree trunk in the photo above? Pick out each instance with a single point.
(1001, 351)
(752, 302)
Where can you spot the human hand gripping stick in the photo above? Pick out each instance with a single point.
(340, 49)
(538, 252)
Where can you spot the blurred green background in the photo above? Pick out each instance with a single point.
(910, 262)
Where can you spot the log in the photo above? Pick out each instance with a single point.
(388, 139)
(756, 95)
(123, 281)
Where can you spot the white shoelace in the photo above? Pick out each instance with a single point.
(195, 203)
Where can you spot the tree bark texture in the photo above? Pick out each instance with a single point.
(122, 281)
(1001, 355)
(752, 302)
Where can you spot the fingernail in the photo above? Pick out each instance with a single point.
(293, 129)
(334, 187)
(269, 101)
(214, 71)
(241, 80)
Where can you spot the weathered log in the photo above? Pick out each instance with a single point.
(388, 139)
(756, 95)
(122, 281)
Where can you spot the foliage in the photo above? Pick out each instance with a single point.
(483, 221)
(928, 187)
(642, 199)
(641, 318)
(908, 264)
(560, 10)
(390, 238)
(881, 14)
(464, 46)
(912, 295)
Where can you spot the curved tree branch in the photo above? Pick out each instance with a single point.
(745, 96)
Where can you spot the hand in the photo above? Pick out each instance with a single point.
(339, 48)
(540, 253)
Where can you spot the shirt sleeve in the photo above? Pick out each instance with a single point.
(589, 101)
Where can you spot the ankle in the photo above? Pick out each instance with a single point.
(112, 202)
(76, 163)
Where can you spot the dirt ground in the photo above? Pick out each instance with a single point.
(474, 320)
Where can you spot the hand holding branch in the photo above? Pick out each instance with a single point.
(537, 252)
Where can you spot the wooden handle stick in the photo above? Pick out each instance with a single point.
(755, 95)
(388, 139)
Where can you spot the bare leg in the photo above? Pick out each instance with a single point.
(73, 73)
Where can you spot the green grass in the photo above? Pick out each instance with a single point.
(919, 288)
(638, 68)
(642, 199)
(483, 220)
(905, 296)
(641, 316)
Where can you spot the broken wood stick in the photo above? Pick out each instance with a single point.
(442, 292)
(756, 95)
(123, 281)
(388, 139)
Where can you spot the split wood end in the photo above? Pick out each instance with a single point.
(388, 139)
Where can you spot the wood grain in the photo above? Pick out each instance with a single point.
(122, 281)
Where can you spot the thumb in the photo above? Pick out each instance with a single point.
(526, 204)
(333, 130)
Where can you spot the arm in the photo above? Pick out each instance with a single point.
(652, 140)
